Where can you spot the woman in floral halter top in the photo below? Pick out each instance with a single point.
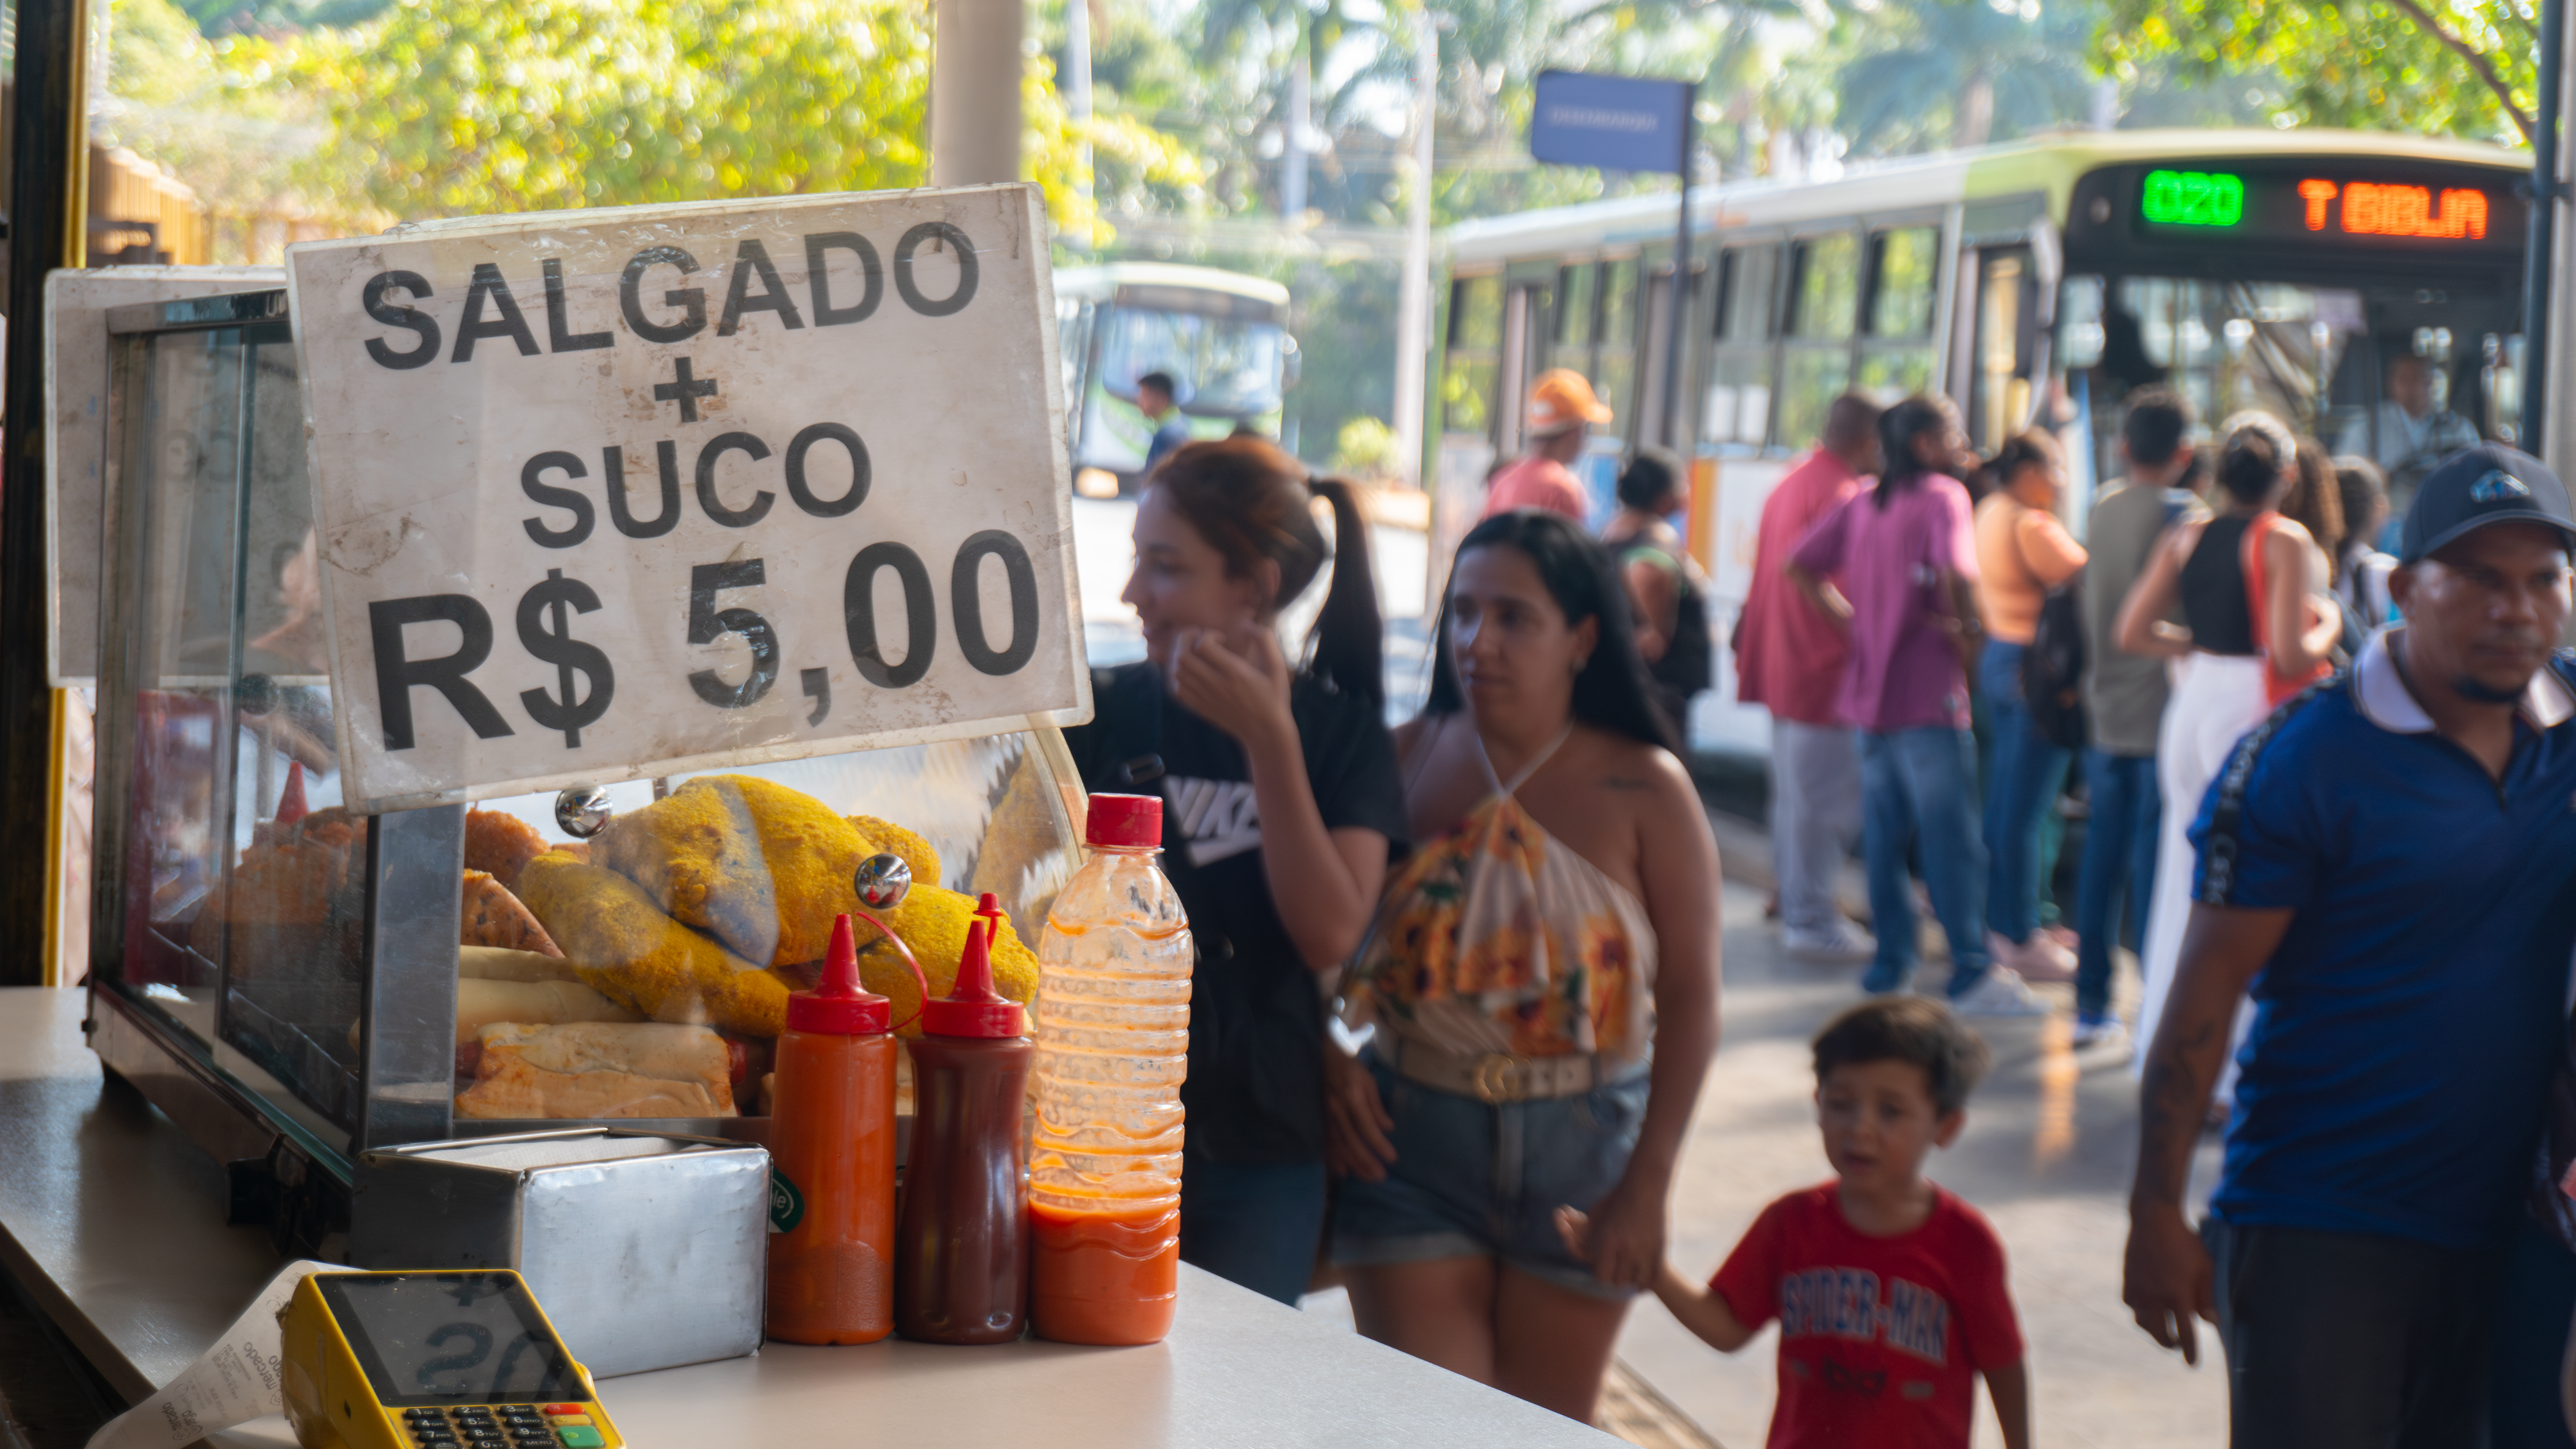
(1542, 980)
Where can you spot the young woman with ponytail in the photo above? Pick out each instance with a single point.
(1281, 802)
(2246, 585)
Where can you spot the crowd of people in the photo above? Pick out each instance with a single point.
(2324, 795)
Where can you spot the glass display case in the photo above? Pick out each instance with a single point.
(283, 978)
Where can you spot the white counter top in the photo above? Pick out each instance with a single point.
(115, 1222)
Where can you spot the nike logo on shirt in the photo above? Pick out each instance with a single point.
(1219, 819)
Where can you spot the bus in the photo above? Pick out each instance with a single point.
(2035, 283)
(1222, 336)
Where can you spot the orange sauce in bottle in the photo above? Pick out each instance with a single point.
(1108, 1277)
(831, 1152)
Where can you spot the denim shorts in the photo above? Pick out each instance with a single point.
(1472, 1180)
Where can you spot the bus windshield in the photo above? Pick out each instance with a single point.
(2400, 374)
(1226, 367)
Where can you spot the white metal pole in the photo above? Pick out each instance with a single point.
(1413, 308)
(975, 72)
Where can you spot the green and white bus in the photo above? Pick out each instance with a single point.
(2036, 283)
(1222, 336)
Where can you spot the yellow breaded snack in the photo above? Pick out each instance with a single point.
(933, 922)
(633, 954)
(764, 867)
(491, 916)
(897, 840)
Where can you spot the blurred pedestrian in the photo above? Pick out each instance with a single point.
(2124, 703)
(1790, 658)
(1667, 592)
(1878, 1274)
(2361, 570)
(2234, 662)
(2315, 503)
(2022, 553)
(1542, 980)
(1158, 398)
(1558, 423)
(2385, 865)
(1905, 553)
(1281, 803)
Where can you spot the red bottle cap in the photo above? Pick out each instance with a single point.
(839, 1005)
(290, 801)
(1125, 822)
(972, 1007)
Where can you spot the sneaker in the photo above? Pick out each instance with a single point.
(2037, 959)
(2105, 1034)
(2001, 993)
(1842, 945)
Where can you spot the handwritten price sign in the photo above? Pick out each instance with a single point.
(609, 494)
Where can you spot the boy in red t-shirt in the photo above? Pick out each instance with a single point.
(1889, 1291)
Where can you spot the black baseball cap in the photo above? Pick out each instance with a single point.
(2474, 487)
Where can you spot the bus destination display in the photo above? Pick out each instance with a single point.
(2319, 203)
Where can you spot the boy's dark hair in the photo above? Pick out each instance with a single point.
(1160, 382)
(2158, 418)
(1912, 1029)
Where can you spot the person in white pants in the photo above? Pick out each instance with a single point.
(1791, 659)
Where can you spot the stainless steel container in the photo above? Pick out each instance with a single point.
(647, 1251)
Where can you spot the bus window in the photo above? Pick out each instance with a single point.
(1824, 296)
(1574, 317)
(1614, 369)
(1828, 286)
(1736, 413)
(1896, 347)
(1999, 386)
(1746, 276)
(1228, 367)
(1900, 288)
(1468, 374)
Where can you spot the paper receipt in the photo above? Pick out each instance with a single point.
(233, 1382)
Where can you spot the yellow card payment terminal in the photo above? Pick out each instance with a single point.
(460, 1360)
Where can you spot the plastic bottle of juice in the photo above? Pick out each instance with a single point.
(831, 1154)
(961, 1265)
(1113, 1044)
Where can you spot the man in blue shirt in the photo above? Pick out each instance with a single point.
(2388, 863)
(1157, 399)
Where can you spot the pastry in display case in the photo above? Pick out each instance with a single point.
(294, 983)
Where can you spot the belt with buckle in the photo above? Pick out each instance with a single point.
(1495, 1077)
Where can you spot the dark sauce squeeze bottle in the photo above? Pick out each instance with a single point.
(961, 1252)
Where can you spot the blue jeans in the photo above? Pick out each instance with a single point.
(1916, 789)
(1257, 1224)
(2119, 868)
(2022, 782)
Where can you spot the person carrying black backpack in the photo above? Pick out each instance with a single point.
(1667, 593)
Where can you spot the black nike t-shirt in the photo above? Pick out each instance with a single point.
(1255, 1091)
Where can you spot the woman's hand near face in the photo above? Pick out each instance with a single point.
(1238, 683)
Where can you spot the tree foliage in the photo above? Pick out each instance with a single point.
(2438, 67)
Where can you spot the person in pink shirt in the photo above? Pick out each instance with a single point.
(1904, 552)
(1790, 658)
(1559, 419)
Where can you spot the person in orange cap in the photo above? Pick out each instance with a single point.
(1561, 410)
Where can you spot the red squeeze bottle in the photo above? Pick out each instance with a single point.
(831, 1161)
(961, 1262)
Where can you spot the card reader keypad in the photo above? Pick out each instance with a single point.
(504, 1426)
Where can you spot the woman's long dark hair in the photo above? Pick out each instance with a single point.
(1898, 427)
(1251, 502)
(1612, 692)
